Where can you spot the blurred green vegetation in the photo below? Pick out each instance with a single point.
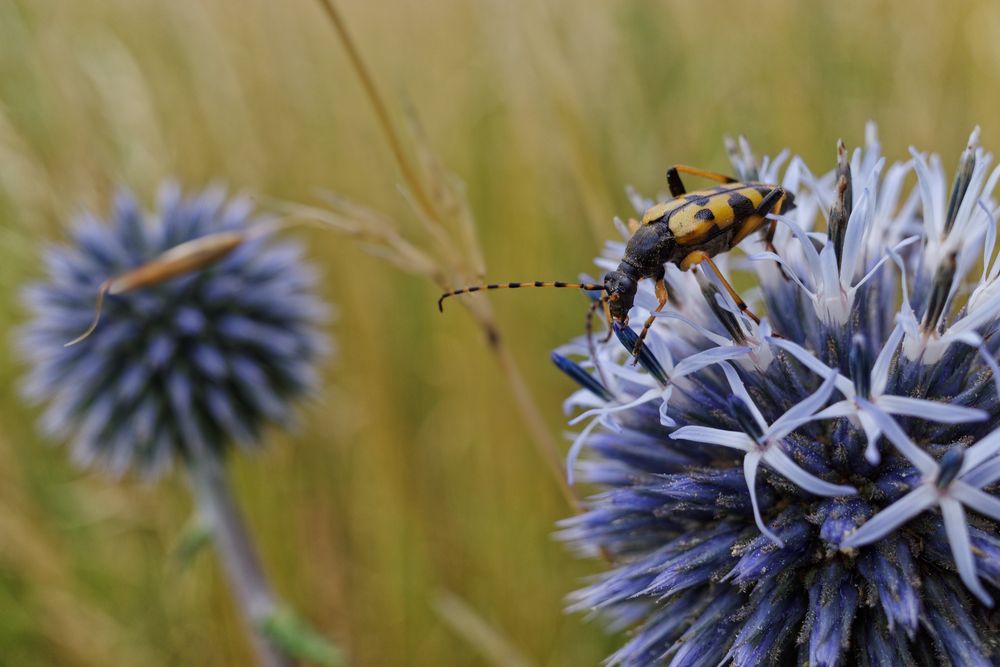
(412, 480)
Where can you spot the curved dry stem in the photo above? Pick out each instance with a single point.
(434, 213)
(101, 293)
(381, 111)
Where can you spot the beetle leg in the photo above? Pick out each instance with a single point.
(662, 296)
(607, 318)
(772, 227)
(769, 246)
(699, 256)
(674, 183)
(763, 209)
(677, 187)
(758, 218)
(591, 348)
(769, 236)
(769, 204)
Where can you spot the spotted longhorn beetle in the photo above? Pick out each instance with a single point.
(689, 229)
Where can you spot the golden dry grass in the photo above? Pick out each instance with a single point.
(413, 477)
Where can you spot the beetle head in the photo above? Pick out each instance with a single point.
(621, 288)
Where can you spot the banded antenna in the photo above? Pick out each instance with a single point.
(603, 300)
(590, 287)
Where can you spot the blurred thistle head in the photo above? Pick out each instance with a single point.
(203, 357)
(820, 488)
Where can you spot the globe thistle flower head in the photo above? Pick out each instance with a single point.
(819, 488)
(204, 358)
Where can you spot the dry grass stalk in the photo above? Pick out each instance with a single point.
(453, 254)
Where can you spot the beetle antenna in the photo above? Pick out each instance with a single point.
(590, 287)
(591, 347)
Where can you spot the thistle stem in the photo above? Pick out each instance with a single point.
(236, 552)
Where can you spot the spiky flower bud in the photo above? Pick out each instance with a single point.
(821, 488)
(204, 359)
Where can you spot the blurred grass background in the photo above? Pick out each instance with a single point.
(412, 474)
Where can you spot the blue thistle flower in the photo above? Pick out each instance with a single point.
(820, 488)
(210, 331)
(204, 359)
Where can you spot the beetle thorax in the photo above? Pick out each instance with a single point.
(648, 249)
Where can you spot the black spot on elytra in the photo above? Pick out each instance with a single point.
(742, 206)
(704, 214)
(763, 191)
(700, 200)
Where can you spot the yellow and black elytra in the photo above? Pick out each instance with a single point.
(689, 229)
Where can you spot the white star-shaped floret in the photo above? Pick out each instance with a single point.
(859, 408)
(955, 481)
(832, 285)
(933, 185)
(765, 444)
(755, 351)
(603, 412)
(930, 345)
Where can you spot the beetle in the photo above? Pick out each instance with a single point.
(685, 231)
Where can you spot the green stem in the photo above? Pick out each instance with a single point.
(236, 551)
